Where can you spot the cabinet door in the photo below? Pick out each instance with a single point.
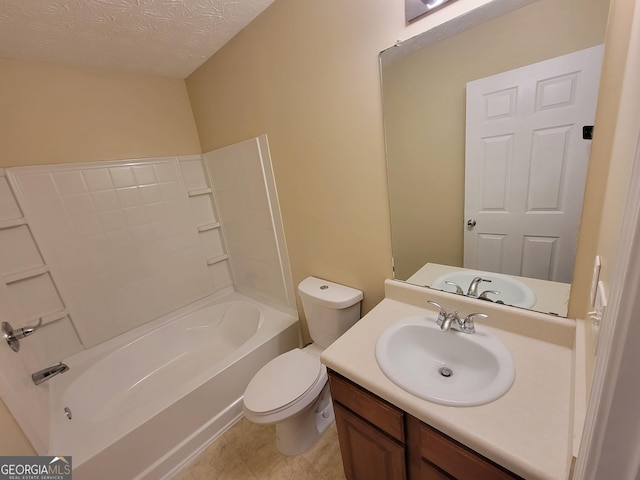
(370, 408)
(431, 472)
(449, 456)
(367, 453)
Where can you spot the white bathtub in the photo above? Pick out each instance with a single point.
(144, 403)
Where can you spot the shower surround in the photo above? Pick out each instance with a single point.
(100, 249)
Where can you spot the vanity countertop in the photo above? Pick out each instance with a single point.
(529, 430)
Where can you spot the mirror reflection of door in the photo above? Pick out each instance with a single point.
(423, 85)
(526, 165)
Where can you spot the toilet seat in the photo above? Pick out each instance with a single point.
(293, 379)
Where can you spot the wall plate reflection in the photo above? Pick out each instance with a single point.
(415, 9)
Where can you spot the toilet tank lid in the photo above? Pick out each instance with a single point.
(329, 294)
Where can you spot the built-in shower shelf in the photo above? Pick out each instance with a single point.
(199, 191)
(12, 222)
(217, 259)
(208, 226)
(52, 317)
(25, 274)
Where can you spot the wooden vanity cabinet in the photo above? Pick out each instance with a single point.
(433, 455)
(378, 441)
(371, 433)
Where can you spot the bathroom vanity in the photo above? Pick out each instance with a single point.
(387, 432)
(378, 440)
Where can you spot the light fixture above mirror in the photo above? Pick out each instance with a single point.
(415, 9)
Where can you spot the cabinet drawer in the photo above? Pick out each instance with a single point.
(373, 409)
(457, 460)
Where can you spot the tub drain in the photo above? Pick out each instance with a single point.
(67, 413)
(446, 372)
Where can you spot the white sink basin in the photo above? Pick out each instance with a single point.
(449, 368)
(512, 291)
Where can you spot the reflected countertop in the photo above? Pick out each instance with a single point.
(551, 297)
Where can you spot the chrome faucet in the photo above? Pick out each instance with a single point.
(473, 287)
(452, 321)
(46, 373)
(483, 295)
(458, 288)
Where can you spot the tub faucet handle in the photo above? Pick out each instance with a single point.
(13, 337)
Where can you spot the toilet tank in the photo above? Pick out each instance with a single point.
(330, 308)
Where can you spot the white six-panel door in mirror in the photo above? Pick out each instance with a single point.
(526, 165)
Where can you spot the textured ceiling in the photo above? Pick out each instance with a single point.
(160, 37)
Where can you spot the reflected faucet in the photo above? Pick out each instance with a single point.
(46, 373)
(483, 295)
(458, 288)
(473, 287)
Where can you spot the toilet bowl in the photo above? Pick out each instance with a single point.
(292, 390)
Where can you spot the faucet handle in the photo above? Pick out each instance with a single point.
(468, 325)
(458, 288)
(442, 314)
(472, 291)
(452, 320)
(26, 331)
(483, 295)
(13, 336)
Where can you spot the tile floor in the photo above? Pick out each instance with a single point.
(248, 452)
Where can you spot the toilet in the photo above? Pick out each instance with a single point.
(292, 390)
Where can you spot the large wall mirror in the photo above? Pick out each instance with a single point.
(426, 115)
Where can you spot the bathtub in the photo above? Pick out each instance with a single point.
(143, 404)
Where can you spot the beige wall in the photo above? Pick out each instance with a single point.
(57, 114)
(424, 108)
(307, 75)
(612, 154)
